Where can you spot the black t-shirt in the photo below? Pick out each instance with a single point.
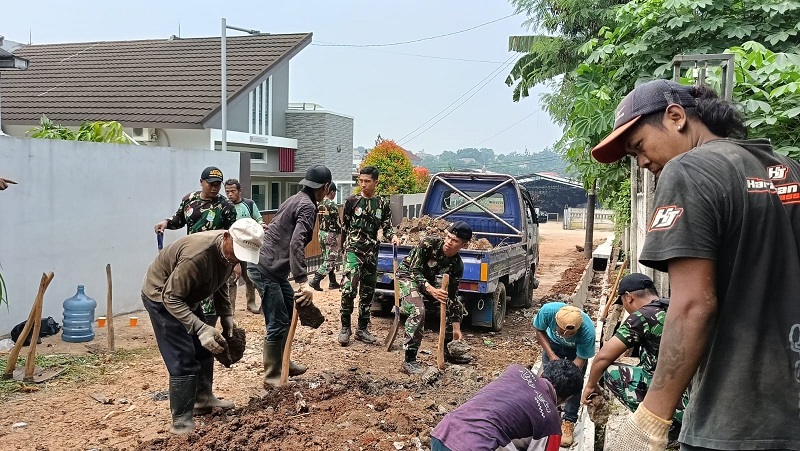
(738, 203)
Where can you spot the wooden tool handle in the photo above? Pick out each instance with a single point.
(109, 312)
(612, 292)
(287, 349)
(442, 323)
(30, 361)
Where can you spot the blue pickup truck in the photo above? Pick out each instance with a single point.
(498, 209)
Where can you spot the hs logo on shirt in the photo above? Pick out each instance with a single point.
(777, 172)
(665, 217)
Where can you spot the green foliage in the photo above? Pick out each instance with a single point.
(98, 131)
(618, 45)
(396, 171)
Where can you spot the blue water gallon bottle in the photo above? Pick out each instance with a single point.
(78, 317)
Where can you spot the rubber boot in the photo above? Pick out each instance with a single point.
(295, 369)
(332, 283)
(315, 282)
(182, 390)
(344, 334)
(205, 399)
(273, 355)
(250, 291)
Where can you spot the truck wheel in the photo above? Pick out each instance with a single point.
(498, 307)
(523, 295)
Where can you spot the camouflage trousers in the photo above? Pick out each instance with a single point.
(329, 242)
(629, 384)
(360, 276)
(413, 307)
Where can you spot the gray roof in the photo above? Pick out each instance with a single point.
(172, 82)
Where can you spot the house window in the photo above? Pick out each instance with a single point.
(293, 188)
(256, 156)
(275, 196)
(258, 103)
(259, 194)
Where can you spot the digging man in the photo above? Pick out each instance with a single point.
(417, 278)
(330, 229)
(182, 276)
(364, 214)
(284, 251)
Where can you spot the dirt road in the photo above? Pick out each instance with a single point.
(357, 397)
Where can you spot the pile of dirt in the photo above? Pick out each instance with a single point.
(570, 277)
(412, 231)
(235, 350)
(337, 410)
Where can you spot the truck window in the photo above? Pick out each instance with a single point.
(494, 203)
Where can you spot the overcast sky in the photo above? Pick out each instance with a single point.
(387, 93)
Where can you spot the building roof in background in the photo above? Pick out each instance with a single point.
(139, 83)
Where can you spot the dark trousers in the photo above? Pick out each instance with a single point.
(574, 402)
(437, 445)
(277, 303)
(181, 350)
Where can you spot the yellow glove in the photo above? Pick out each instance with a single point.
(641, 431)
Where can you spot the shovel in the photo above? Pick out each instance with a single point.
(396, 324)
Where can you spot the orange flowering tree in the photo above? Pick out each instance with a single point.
(421, 176)
(396, 172)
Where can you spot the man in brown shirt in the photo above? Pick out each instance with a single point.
(183, 274)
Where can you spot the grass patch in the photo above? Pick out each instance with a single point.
(78, 368)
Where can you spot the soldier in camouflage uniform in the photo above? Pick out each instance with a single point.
(364, 214)
(201, 211)
(329, 232)
(417, 278)
(643, 328)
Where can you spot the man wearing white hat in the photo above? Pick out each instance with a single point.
(183, 274)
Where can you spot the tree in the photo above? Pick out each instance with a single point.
(396, 172)
(97, 131)
(620, 46)
(421, 178)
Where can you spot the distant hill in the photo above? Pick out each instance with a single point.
(514, 163)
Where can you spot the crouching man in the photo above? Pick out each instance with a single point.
(186, 272)
(417, 278)
(516, 411)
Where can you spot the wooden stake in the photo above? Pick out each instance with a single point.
(109, 312)
(30, 360)
(442, 323)
(287, 349)
(12, 357)
(612, 292)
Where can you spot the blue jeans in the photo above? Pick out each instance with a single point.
(277, 303)
(437, 445)
(574, 402)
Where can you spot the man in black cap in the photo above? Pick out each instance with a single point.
(284, 251)
(330, 230)
(417, 278)
(643, 327)
(201, 211)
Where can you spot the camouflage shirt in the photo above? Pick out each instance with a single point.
(644, 327)
(361, 221)
(329, 216)
(200, 215)
(426, 263)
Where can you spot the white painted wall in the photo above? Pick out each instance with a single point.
(79, 206)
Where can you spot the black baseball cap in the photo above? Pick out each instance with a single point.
(332, 187)
(317, 176)
(646, 98)
(461, 229)
(211, 174)
(633, 282)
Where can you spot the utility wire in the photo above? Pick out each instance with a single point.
(485, 82)
(506, 129)
(417, 40)
(430, 56)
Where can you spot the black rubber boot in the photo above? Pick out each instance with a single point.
(332, 283)
(295, 369)
(273, 354)
(205, 399)
(182, 390)
(344, 334)
(315, 282)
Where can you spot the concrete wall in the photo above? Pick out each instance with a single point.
(79, 206)
(322, 137)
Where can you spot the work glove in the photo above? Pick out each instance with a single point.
(211, 339)
(227, 325)
(304, 295)
(641, 431)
